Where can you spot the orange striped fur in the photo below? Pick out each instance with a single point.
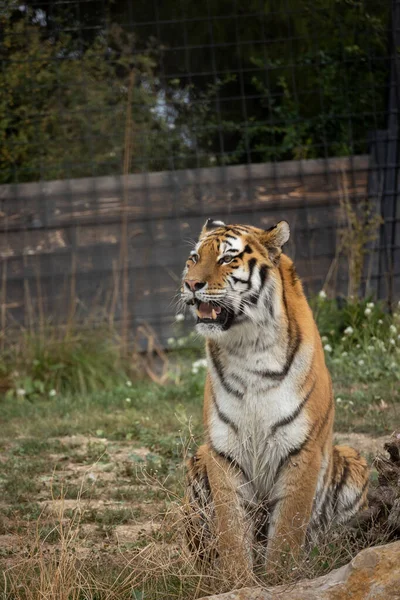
(268, 471)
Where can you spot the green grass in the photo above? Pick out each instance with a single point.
(362, 348)
(116, 443)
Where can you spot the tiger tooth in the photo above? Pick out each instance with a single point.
(198, 313)
(213, 314)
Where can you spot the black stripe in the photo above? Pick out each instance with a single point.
(353, 504)
(224, 418)
(220, 372)
(239, 228)
(232, 461)
(263, 274)
(263, 519)
(293, 343)
(238, 280)
(270, 305)
(293, 349)
(290, 418)
(293, 452)
(254, 298)
(236, 231)
(247, 250)
(252, 264)
(294, 278)
(231, 237)
(330, 474)
(343, 480)
(345, 507)
(321, 498)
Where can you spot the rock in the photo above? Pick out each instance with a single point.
(374, 574)
(382, 517)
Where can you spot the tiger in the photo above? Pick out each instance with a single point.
(268, 472)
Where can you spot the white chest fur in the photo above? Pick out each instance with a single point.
(249, 410)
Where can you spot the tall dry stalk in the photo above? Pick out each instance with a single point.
(124, 257)
(39, 295)
(3, 316)
(72, 298)
(361, 227)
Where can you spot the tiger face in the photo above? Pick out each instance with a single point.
(230, 276)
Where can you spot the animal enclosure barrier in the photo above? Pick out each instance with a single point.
(62, 256)
(126, 124)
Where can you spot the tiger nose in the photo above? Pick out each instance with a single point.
(194, 285)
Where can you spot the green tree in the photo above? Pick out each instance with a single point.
(63, 108)
(215, 82)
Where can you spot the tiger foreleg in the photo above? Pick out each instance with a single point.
(225, 532)
(233, 527)
(294, 492)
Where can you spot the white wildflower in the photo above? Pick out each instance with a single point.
(195, 370)
(361, 362)
(52, 393)
(201, 363)
(21, 392)
(344, 353)
(392, 342)
(170, 341)
(322, 294)
(128, 383)
(370, 305)
(328, 348)
(127, 400)
(348, 331)
(370, 348)
(358, 346)
(324, 338)
(380, 322)
(367, 312)
(181, 342)
(393, 328)
(351, 402)
(338, 400)
(180, 317)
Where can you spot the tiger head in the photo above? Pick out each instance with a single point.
(230, 276)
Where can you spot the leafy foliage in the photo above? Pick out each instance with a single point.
(63, 111)
(303, 80)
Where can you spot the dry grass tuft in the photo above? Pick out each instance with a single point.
(161, 569)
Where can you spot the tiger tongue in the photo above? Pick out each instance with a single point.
(208, 311)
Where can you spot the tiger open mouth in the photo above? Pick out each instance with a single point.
(211, 312)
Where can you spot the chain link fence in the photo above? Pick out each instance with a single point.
(124, 125)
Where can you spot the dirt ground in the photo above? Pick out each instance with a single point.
(97, 489)
(108, 504)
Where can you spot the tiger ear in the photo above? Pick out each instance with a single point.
(274, 238)
(209, 225)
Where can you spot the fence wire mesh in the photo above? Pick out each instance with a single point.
(125, 124)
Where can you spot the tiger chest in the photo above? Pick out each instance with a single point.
(254, 426)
